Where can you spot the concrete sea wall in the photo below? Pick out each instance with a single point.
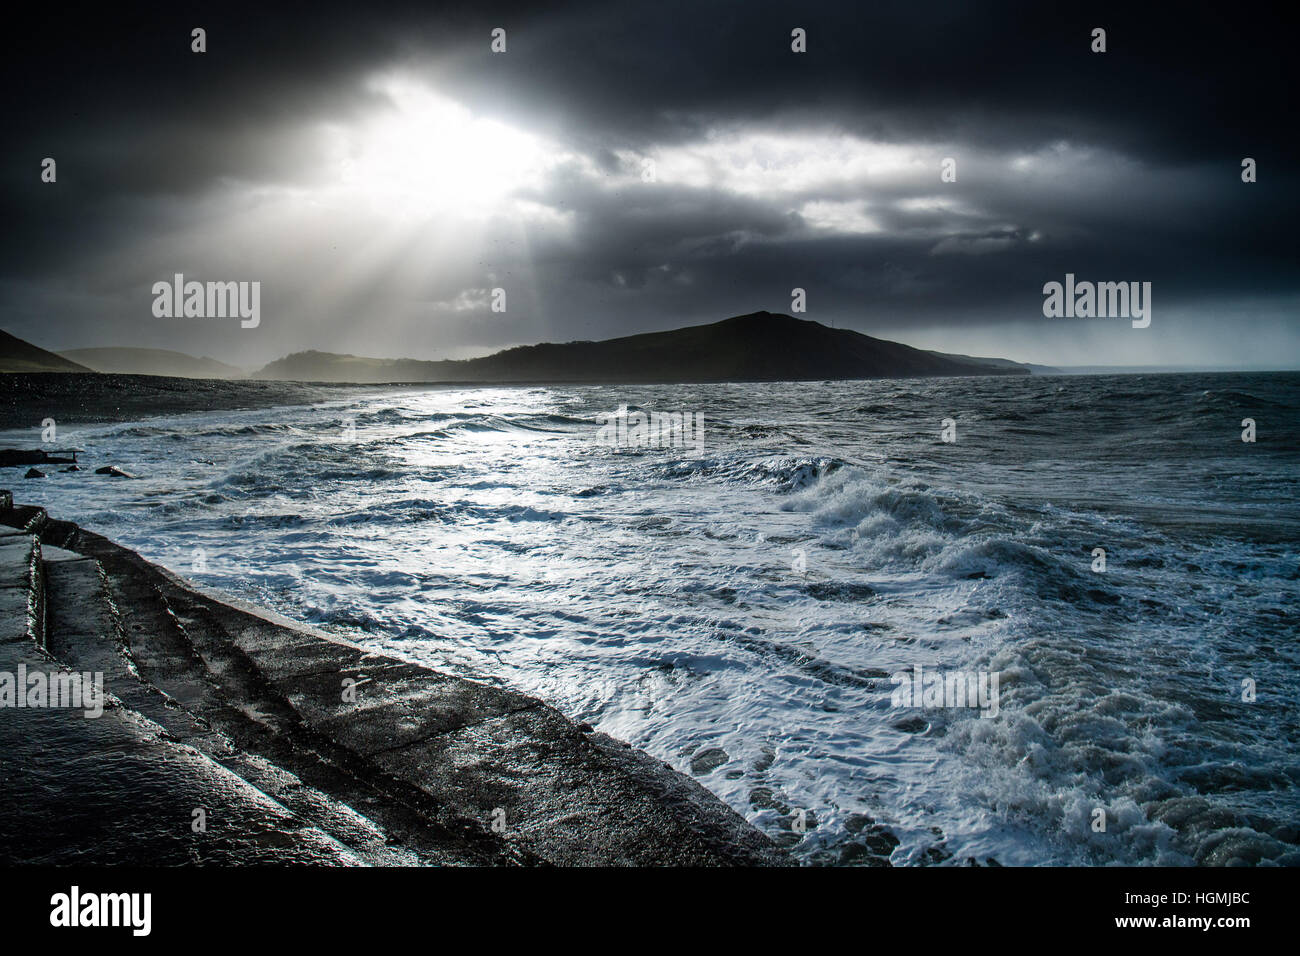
(230, 736)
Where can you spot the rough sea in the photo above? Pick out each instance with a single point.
(741, 607)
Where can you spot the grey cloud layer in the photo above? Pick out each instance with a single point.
(1123, 166)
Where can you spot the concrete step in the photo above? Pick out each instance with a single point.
(22, 603)
(26, 519)
(463, 753)
(86, 632)
(485, 753)
(115, 789)
(82, 631)
(273, 727)
(91, 780)
(223, 690)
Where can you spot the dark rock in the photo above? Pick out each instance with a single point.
(912, 725)
(11, 457)
(858, 822)
(114, 471)
(762, 798)
(880, 841)
(935, 854)
(855, 854)
(706, 761)
(34, 473)
(847, 591)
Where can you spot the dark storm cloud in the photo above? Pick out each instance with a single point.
(1184, 82)
(1131, 163)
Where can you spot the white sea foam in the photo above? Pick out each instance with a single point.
(738, 613)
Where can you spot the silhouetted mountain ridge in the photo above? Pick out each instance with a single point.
(758, 347)
(17, 355)
(142, 361)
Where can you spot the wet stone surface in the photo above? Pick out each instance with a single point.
(300, 747)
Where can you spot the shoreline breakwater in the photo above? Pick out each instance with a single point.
(229, 735)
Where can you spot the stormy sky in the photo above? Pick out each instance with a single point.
(628, 167)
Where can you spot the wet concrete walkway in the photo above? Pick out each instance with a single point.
(292, 746)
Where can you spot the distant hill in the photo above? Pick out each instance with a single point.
(19, 356)
(132, 361)
(333, 367)
(999, 362)
(759, 347)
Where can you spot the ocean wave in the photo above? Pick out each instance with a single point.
(740, 613)
(784, 474)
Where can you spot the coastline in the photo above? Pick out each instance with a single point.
(298, 746)
(104, 398)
